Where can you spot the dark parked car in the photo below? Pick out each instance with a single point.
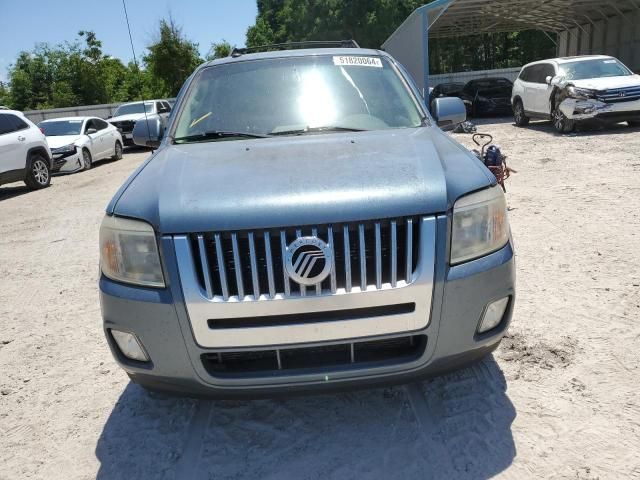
(487, 96)
(453, 89)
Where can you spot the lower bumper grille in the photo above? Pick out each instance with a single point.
(318, 358)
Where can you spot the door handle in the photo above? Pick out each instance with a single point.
(21, 138)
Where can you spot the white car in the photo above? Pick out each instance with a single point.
(24, 153)
(571, 90)
(77, 142)
(127, 114)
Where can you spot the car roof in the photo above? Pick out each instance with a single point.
(15, 112)
(300, 52)
(577, 58)
(66, 119)
(150, 102)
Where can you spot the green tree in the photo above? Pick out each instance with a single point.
(171, 59)
(219, 50)
(371, 22)
(4, 94)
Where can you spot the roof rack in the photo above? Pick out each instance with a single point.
(236, 52)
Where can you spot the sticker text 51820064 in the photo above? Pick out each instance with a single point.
(348, 61)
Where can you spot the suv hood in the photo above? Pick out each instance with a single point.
(57, 141)
(607, 83)
(131, 116)
(305, 180)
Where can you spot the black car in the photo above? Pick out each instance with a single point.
(487, 96)
(453, 89)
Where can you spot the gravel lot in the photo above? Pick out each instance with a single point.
(559, 399)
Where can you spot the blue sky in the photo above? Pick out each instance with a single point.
(25, 23)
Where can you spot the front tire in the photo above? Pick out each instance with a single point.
(561, 123)
(520, 118)
(86, 159)
(117, 151)
(39, 174)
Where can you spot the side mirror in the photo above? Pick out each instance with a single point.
(148, 133)
(557, 80)
(91, 131)
(449, 111)
(548, 79)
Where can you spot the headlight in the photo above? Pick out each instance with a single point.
(66, 149)
(480, 225)
(129, 252)
(576, 92)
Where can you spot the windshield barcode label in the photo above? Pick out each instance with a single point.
(357, 61)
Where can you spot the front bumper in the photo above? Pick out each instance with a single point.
(67, 162)
(591, 109)
(160, 320)
(494, 107)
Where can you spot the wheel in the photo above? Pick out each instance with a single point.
(39, 174)
(561, 123)
(634, 123)
(519, 116)
(117, 151)
(86, 158)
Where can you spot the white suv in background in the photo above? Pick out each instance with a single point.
(24, 153)
(571, 90)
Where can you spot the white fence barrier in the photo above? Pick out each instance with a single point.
(100, 111)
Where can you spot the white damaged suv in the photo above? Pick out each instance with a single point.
(572, 90)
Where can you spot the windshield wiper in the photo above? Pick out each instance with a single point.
(216, 134)
(302, 131)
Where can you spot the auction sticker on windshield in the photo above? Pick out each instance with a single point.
(344, 61)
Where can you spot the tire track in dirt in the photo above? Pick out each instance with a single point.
(188, 465)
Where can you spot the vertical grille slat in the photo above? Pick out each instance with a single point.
(363, 258)
(283, 250)
(206, 271)
(237, 266)
(254, 267)
(394, 254)
(378, 257)
(333, 259)
(269, 262)
(221, 267)
(347, 259)
(250, 265)
(409, 266)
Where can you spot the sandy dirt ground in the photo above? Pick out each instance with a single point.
(559, 399)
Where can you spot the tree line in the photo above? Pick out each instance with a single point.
(371, 22)
(80, 73)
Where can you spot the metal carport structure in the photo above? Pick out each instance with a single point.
(583, 27)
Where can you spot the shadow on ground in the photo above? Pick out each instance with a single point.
(454, 426)
(13, 190)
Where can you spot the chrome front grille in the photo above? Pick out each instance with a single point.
(249, 265)
(619, 95)
(125, 126)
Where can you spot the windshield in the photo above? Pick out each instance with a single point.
(297, 95)
(598, 68)
(61, 127)
(132, 108)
